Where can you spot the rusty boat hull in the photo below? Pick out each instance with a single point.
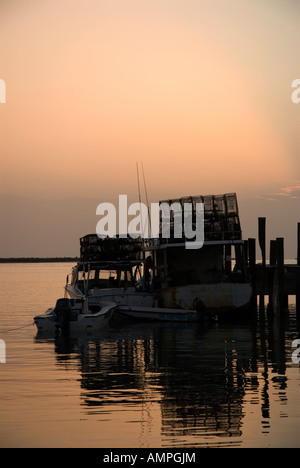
(218, 298)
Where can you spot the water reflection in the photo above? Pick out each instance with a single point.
(201, 378)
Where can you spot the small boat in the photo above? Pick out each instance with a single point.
(110, 269)
(75, 315)
(159, 314)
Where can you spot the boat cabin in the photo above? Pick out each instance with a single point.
(221, 259)
(106, 275)
(109, 263)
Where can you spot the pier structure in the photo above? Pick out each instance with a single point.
(273, 281)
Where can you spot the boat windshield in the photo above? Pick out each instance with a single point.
(102, 278)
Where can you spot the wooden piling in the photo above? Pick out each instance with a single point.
(298, 272)
(280, 270)
(273, 252)
(276, 279)
(262, 244)
(270, 278)
(252, 267)
(262, 238)
(298, 244)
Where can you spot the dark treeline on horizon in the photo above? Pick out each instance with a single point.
(38, 259)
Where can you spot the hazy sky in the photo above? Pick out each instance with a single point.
(199, 91)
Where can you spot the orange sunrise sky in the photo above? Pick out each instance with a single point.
(198, 91)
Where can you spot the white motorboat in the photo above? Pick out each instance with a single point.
(111, 270)
(75, 315)
(131, 296)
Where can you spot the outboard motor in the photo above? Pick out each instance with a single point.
(63, 314)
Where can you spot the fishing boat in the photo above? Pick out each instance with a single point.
(70, 315)
(111, 269)
(159, 278)
(214, 274)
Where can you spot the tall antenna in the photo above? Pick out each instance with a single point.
(149, 217)
(139, 191)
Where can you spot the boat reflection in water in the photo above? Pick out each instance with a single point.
(191, 385)
(196, 377)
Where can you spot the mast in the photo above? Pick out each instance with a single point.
(139, 193)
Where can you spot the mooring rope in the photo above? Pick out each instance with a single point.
(17, 328)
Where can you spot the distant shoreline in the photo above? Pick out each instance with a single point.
(39, 260)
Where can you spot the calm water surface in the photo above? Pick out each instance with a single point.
(142, 385)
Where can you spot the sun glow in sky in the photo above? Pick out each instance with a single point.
(197, 90)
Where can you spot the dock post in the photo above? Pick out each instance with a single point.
(252, 268)
(273, 252)
(280, 269)
(262, 244)
(298, 244)
(272, 264)
(298, 272)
